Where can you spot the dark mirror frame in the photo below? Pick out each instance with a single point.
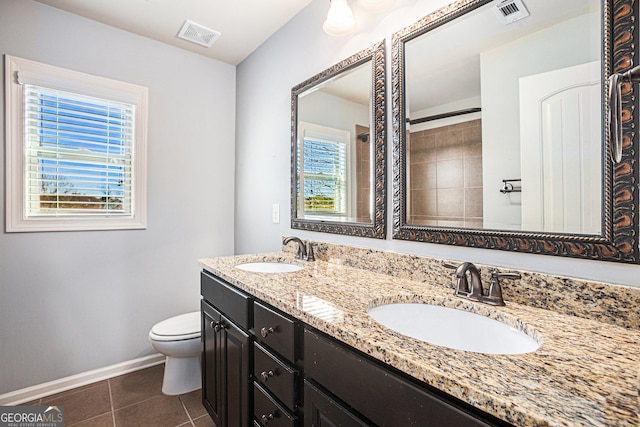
(377, 228)
(618, 240)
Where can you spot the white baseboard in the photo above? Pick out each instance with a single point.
(63, 384)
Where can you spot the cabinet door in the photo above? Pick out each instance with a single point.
(212, 362)
(320, 410)
(237, 371)
(226, 370)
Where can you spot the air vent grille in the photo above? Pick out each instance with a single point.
(198, 34)
(511, 11)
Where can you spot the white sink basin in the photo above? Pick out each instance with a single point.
(453, 328)
(269, 267)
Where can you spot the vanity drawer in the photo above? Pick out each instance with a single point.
(274, 330)
(275, 375)
(321, 410)
(235, 304)
(269, 412)
(395, 401)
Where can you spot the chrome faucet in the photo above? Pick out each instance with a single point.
(304, 252)
(473, 289)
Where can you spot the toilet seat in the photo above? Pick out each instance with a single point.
(182, 327)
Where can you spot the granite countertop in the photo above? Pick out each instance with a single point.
(584, 373)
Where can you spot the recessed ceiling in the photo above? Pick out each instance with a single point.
(244, 24)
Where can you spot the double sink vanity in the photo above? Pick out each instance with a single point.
(346, 336)
(293, 342)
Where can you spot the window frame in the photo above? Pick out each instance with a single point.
(19, 71)
(327, 135)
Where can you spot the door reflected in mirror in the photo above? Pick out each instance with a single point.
(503, 120)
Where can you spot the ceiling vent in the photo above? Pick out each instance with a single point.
(198, 34)
(511, 11)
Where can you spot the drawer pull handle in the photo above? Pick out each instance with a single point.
(266, 331)
(266, 418)
(265, 375)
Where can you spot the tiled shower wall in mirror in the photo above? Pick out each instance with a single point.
(363, 173)
(445, 175)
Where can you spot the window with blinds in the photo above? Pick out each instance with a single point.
(323, 168)
(75, 150)
(78, 154)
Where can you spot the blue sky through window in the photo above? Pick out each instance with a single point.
(83, 147)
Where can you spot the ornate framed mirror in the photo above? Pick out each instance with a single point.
(338, 140)
(499, 128)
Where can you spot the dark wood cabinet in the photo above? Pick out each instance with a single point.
(261, 367)
(226, 368)
(212, 378)
(275, 374)
(236, 390)
(236, 366)
(379, 394)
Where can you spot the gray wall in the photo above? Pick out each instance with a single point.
(75, 301)
(298, 51)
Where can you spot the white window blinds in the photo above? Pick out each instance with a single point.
(79, 155)
(323, 167)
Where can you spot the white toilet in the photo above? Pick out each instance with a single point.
(178, 338)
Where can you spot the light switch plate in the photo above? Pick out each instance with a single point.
(275, 214)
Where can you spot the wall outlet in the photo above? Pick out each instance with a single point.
(275, 213)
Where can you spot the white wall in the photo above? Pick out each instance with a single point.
(332, 111)
(71, 302)
(298, 51)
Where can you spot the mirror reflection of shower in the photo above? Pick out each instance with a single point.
(528, 78)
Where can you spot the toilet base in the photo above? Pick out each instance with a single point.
(181, 375)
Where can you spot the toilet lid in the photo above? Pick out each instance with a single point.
(184, 326)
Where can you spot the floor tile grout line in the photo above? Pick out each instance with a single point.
(137, 403)
(88, 419)
(197, 418)
(185, 410)
(113, 412)
(110, 388)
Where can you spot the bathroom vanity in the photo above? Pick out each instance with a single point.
(299, 373)
(298, 348)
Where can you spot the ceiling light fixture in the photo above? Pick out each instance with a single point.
(339, 19)
(376, 6)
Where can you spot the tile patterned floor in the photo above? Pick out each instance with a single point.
(131, 400)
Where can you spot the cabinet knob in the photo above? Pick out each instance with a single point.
(266, 418)
(218, 326)
(266, 331)
(265, 375)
